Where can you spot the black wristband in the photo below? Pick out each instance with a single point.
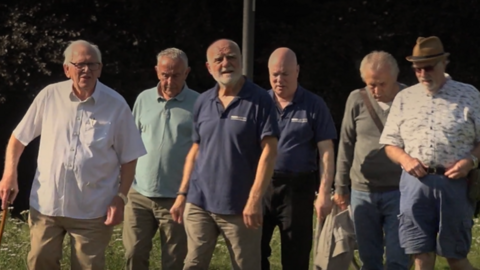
(182, 193)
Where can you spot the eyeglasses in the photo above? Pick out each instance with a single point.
(429, 68)
(82, 66)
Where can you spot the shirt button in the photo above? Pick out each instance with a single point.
(70, 166)
(78, 118)
(72, 149)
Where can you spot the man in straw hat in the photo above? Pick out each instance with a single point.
(433, 132)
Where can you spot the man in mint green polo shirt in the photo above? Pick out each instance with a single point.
(163, 115)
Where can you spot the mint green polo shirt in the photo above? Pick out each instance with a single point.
(166, 130)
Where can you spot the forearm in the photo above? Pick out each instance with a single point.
(264, 172)
(188, 168)
(344, 164)
(12, 157)
(327, 167)
(127, 173)
(395, 154)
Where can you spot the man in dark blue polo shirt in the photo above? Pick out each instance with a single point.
(307, 128)
(229, 166)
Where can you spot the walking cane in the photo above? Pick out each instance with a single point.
(4, 220)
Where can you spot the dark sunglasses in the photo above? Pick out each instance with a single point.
(426, 68)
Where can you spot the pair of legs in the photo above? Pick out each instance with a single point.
(289, 205)
(143, 217)
(436, 217)
(375, 216)
(203, 229)
(88, 238)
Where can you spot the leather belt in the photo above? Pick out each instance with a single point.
(436, 170)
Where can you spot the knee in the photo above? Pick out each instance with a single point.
(424, 258)
(132, 251)
(40, 253)
(459, 264)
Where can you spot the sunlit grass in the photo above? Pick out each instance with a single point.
(15, 246)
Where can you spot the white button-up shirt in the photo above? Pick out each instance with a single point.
(437, 129)
(82, 145)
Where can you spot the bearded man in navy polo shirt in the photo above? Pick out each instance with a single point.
(307, 128)
(229, 166)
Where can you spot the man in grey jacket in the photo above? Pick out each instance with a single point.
(362, 163)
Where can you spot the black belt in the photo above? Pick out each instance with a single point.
(280, 174)
(436, 170)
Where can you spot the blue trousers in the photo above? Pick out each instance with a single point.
(375, 216)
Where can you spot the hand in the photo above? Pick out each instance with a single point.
(460, 169)
(253, 214)
(323, 205)
(414, 167)
(342, 201)
(115, 212)
(8, 190)
(177, 209)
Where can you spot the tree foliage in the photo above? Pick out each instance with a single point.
(330, 38)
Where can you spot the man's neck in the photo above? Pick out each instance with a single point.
(82, 94)
(166, 96)
(395, 92)
(434, 91)
(231, 90)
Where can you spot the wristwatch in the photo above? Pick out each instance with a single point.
(123, 197)
(475, 161)
(184, 194)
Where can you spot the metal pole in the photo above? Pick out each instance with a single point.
(248, 37)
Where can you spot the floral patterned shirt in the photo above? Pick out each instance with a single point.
(437, 129)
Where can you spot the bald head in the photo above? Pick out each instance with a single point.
(284, 56)
(224, 62)
(283, 69)
(221, 45)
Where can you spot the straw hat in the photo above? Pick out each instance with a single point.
(429, 49)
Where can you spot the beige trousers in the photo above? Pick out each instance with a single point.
(203, 229)
(143, 217)
(88, 237)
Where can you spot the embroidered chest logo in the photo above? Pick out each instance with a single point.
(238, 118)
(299, 120)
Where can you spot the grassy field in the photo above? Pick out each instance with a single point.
(15, 246)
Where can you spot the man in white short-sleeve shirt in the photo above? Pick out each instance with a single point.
(89, 146)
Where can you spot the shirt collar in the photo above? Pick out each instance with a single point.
(179, 97)
(95, 97)
(297, 97)
(245, 92)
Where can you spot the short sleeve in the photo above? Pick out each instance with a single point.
(195, 128)
(30, 127)
(475, 104)
(391, 132)
(267, 118)
(128, 142)
(136, 112)
(323, 125)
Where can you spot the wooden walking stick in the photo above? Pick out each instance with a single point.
(2, 224)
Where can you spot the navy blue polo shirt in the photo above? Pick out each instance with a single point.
(303, 123)
(229, 147)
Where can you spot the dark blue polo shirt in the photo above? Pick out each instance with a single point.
(230, 147)
(303, 123)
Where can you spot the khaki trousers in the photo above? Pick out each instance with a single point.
(203, 229)
(143, 217)
(88, 239)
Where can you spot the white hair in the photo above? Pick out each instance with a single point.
(377, 60)
(173, 53)
(68, 53)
